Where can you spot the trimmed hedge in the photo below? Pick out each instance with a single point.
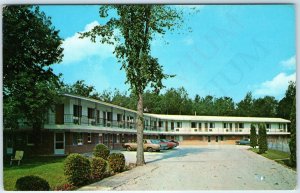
(102, 151)
(32, 183)
(98, 168)
(77, 169)
(116, 162)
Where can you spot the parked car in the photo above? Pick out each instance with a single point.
(169, 144)
(149, 145)
(176, 142)
(243, 142)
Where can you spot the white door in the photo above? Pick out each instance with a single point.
(59, 143)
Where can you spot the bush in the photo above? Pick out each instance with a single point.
(64, 187)
(98, 167)
(102, 151)
(116, 162)
(262, 139)
(35, 183)
(77, 169)
(253, 137)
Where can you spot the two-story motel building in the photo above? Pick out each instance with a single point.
(79, 123)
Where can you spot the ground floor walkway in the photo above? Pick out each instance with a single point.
(216, 167)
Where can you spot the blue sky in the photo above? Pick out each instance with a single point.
(231, 50)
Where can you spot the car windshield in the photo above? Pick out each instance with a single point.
(154, 141)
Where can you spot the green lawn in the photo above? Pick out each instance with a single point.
(49, 168)
(276, 155)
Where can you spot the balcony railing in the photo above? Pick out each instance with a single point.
(70, 119)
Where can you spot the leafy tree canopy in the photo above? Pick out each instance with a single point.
(30, 45)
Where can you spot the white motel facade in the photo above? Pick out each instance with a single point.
(79, 123)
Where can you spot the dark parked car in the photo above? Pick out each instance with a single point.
(243, 142)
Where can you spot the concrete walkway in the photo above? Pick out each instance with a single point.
(227, 167)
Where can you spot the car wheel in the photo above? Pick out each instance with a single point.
(128, 148)
(149, 149)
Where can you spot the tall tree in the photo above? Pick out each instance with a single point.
(262, 138)
(286, 103)
(292, 143)
(265, 107)
(30, 45)
(245, 106)
(130, 28)
(253, 136)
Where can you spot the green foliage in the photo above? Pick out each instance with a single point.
(285, 105)
(116, 162)
(292, 143)
(102, 151)
(253, 136)
(32, 183)
(77, 169)
(245, 106)
(98, 168)
(30, 45)
(262, 138)
(139, 23)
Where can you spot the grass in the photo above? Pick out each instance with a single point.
(276, 155)
(49, 168)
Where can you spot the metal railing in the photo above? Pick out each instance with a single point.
(70, 119)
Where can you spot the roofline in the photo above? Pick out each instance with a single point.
(179, 117)
(98, 101)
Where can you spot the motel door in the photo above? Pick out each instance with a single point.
(59, 143)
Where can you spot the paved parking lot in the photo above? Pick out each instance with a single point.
(227, 167)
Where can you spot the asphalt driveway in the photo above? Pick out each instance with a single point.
(227, 167)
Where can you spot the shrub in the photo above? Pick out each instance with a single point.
(253, 137)
(116, 162)
(262, 139)
(35, 183)
(77, 169)
(64, 187)
(98, 167)
(102, 151)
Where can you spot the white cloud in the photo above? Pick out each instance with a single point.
(77, 50)
(289, 63)
(275, 87)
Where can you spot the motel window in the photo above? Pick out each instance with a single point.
(30, 139)
(211, 125)
(91, 113)
(268, 125)
(77, 110)
(199, 125)
(241, 125)
(119, 117)
(179, 124)
(224, 125)
(89, 138)
(159, 123)
(77, 139)
(109, 116)
(193, 124)
(206, 125)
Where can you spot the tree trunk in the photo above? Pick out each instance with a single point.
(140, 160)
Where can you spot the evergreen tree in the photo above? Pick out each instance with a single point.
(253, 137)
(292, 143)
(262, 139)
